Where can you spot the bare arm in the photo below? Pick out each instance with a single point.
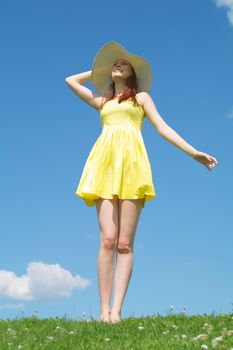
(75, 84)
(171, 135)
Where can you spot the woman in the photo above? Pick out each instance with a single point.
(117, 175)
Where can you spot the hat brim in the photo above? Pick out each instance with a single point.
(101, 75)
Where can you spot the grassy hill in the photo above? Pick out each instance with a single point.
(154, 332)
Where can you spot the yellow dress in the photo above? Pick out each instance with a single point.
(118, 162)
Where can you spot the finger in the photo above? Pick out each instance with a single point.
(214, 159)
(207, 158)
(214, 163)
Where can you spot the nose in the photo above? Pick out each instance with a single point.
(118, 66)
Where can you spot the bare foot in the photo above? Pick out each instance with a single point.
(115, 317)
(105, 316)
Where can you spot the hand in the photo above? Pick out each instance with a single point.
(205, 159)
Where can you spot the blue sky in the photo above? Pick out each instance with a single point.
(49, 237)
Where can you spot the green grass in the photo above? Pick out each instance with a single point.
(154, 332)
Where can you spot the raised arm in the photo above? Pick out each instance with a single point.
(171, 135)
(75, 84)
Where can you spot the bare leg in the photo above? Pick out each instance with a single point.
(108, 222)
(129, 213)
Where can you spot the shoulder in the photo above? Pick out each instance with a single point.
(99, 101)
(142, 97)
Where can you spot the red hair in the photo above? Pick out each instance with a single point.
(128, 93)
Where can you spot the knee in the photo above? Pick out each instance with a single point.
(109, 243)
(123, 247)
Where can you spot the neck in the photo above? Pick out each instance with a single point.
(119, 87)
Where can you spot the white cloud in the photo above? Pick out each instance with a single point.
(12, 306)
(88, 235)
(229, 5)
(46, 282)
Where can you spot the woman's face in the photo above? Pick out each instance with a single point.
(121, 69)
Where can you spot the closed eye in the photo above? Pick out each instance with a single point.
(125, 63)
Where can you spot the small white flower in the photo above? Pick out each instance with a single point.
(23, 312)
(206, 325)
(174, 326)
(49, 337)
(216, 341)
(71, 332)
(204, 347)
(19, 347)
(184, 336)
(140, 327)
(209, 329)
(183, 312)
(107, 339)
(171, 308)
(11, 331)
(200, 336)
(35, 314)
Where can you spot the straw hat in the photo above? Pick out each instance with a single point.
(101, 75)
